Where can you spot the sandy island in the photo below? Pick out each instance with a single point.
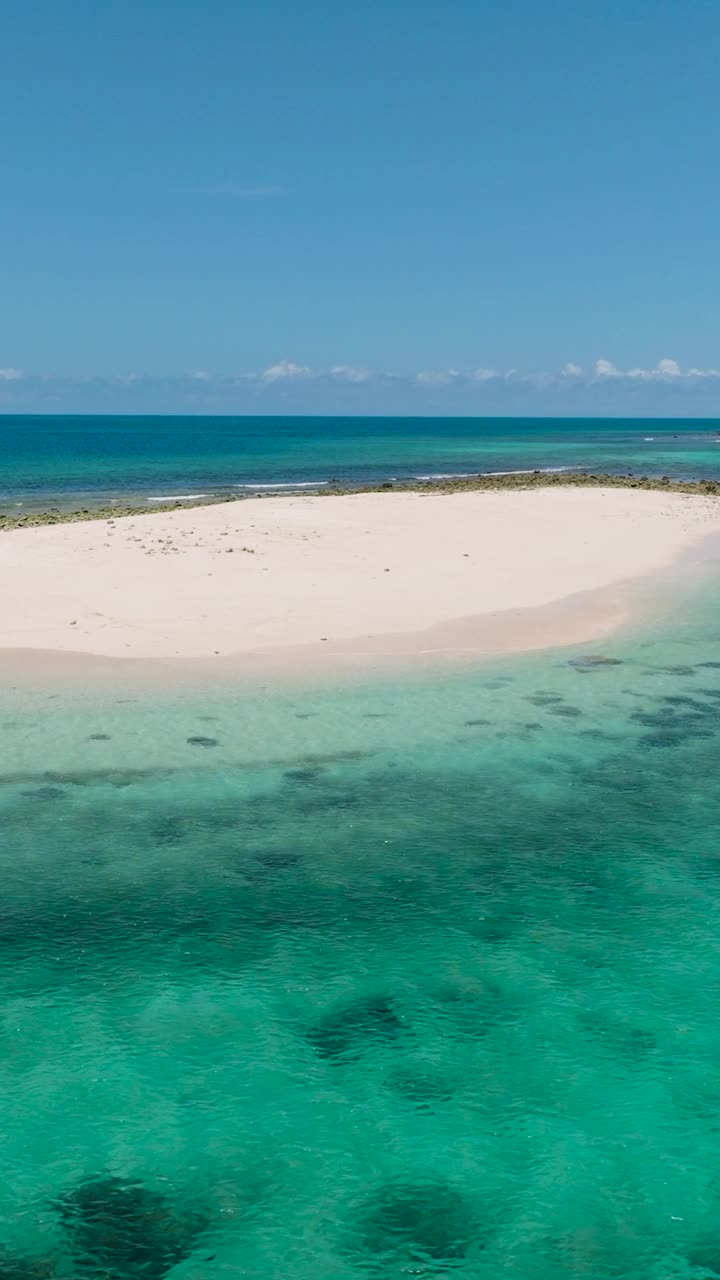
(343, 577)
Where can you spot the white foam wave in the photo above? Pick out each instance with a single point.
(448, 475)
(285, 484)
(177, 497)
(528, 471)
(463, 475)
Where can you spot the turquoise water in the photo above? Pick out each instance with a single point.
(411, 977)
(92, 459)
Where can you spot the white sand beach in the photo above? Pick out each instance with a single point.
(368, 574)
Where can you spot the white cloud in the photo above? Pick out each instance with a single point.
(606, 369)
(285, 369)
(200, 375)
(571, 370)
(349, 373)
(10, 375)
(665, 370)
(483, 375)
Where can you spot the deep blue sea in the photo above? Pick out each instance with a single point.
(60, 460)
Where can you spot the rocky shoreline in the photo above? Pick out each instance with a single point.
(460, 484)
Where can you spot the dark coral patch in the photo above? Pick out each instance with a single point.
(348, 1031)
(594, 662)
(413, 1228)
(123, 1230)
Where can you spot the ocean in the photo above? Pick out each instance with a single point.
(89, 460)
(406, 976)
(412, 976)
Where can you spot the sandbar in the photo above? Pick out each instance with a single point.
(337, 578)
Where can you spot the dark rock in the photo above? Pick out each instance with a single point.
(24, 1268)
(421, 1087)
(570, 713)
(620, 1037)
(705, 1258)
(413, 1228)
(310, 773)
(544, 699)
(44, 793)
(199, 741)
(591, 661)
(278, 859)
(123, 1230)
(715, 666)
(473, 724)
(168, 830)
(684, 700)
(99, 737)
(354, 1027)
(599, 735)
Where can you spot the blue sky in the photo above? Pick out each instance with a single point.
(335, 207)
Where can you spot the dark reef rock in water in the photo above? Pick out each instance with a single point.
(168, 830)
(44, 793)
(685, 700)
(24, 1268)
(570, 713)
(594, 661)
(278, 859)
(421, 1087)
(122, 1230)
(714, 666)
(99, 737)
(541, 699)
(660, 739)
(199, 741)
(310, 773)
(474, 724)
(412, 1229)
(706, 1259)
(620, 1037)
(87, 777)
(348, 1031)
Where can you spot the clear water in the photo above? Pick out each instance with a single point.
(91, 459)
(413, 977)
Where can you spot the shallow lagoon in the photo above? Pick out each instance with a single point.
(417, 977)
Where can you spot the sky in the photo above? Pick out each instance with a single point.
(268, 206)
